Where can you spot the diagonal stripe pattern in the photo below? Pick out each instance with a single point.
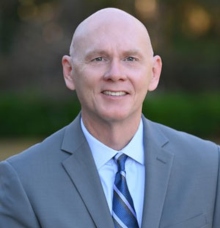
(123, 214)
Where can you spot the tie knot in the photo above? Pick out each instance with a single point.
(120, 160)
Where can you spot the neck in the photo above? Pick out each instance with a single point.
(115, 135)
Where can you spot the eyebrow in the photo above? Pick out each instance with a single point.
(132, 52)
(101, 52)
(95, 52)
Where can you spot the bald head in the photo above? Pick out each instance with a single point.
(109, 21)
(111, 67)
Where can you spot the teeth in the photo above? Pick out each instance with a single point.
(110, 93)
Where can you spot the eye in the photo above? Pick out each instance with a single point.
(131, 59)
(98, 59)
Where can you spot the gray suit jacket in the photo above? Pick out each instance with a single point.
(55, 184)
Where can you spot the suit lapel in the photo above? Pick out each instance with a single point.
(81, 169)
(158, 163)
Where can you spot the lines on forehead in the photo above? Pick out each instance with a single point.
(120, 49)
(101, 45)
(94, 52)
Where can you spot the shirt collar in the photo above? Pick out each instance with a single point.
(102, 153)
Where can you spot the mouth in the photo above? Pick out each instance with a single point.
(114, 93)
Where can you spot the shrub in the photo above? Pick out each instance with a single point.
(36, 116)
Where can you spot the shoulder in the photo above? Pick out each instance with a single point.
(52, 145)
(181, 143)
(50, 150)
(38, 154)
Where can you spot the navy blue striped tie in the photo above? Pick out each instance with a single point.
(123, 212)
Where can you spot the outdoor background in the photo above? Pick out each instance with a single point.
(35, 34)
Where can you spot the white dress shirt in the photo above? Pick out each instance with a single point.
(134, 166)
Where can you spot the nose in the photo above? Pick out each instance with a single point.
(115, 71)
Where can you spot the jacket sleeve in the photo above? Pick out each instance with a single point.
(216, 218)
(15, 208)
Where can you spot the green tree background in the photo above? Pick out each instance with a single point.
(35, 34)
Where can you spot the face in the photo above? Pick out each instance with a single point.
(112, 68)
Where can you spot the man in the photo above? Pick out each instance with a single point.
(68, 179)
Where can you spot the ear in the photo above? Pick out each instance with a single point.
(68, 72)
(156, 71)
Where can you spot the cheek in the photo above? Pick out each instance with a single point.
(84, 88)
(81, 78)
(142, 82)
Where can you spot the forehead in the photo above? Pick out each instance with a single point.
(109, 18)
(114, 36)
(114, 30)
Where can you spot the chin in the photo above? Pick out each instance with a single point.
(115, 117)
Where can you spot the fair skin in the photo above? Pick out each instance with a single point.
(111, 66)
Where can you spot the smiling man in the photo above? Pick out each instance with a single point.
(111, 70)
(112, 167)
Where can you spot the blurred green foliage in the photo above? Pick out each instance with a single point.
(35, 34)
(38, 117)
(35, 116)
(197, 114)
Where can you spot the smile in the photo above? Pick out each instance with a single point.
(116, 94)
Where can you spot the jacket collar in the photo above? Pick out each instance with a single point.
(80, 167)
(158, 163)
